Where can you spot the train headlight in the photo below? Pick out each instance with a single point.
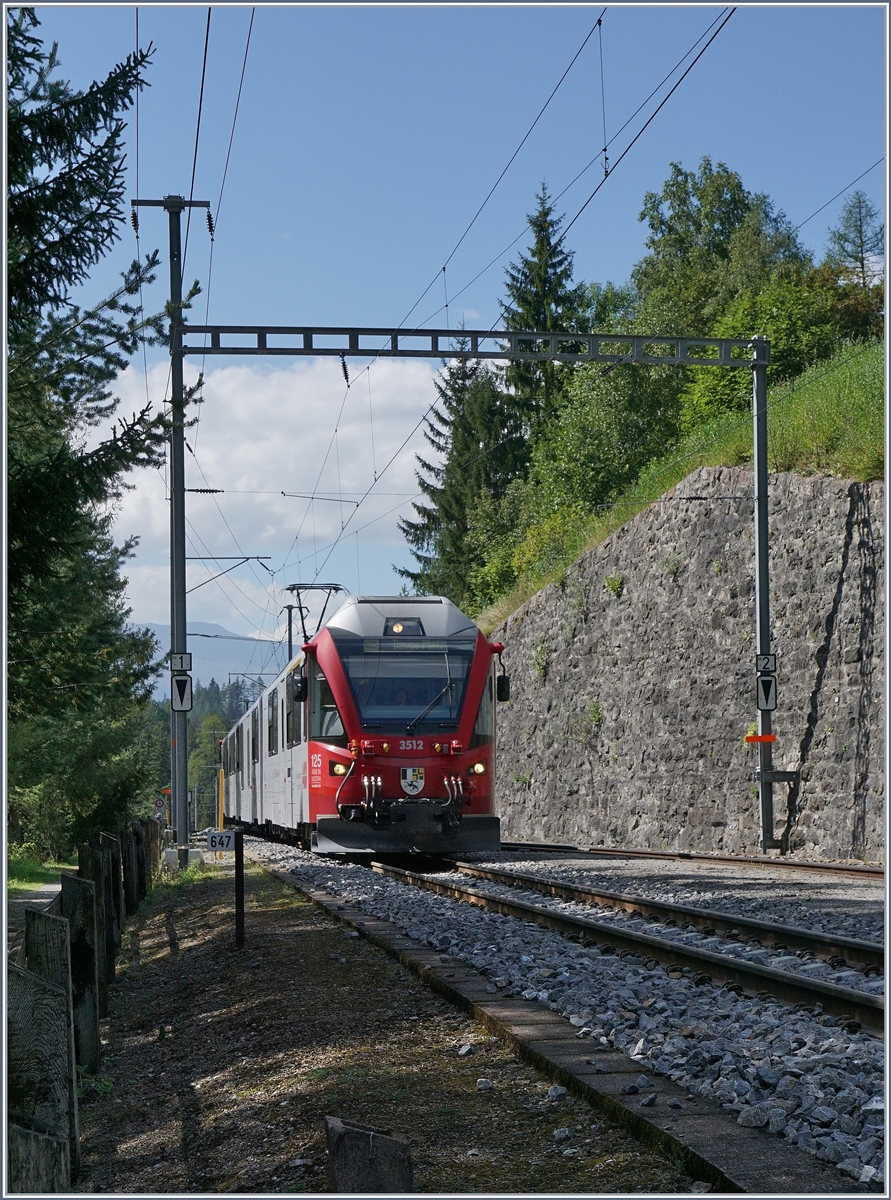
(338, 768)
(478, 769)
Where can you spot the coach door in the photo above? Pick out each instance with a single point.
(294, 741)
(255, 760)
(238, 778)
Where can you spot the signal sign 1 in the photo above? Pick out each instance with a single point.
(181, 693)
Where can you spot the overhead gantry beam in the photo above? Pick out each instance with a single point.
(513, 345)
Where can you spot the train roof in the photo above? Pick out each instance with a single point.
(374, 616)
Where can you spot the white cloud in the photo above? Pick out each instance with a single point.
(263, 432)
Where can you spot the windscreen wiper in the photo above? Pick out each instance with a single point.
(436, 699)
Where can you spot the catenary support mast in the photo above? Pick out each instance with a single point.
(181, 682)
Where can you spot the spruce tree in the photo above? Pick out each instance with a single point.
(80, 675)
(480, 443)
(541, 298)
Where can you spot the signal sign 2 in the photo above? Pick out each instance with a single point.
(767, 693)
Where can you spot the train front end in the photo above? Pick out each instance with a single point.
(401, 729)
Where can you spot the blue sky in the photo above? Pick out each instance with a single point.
(367, 137)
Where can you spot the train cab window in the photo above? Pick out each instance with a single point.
(272, 722)
(484, 727)
(293, 713)
(325, 723)
(255, 734)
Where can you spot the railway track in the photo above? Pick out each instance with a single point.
(822, 945)
(852, 870)
(849, 1004)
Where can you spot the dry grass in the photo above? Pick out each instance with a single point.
(221, 1066)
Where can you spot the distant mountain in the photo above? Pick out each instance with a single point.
(219, 654)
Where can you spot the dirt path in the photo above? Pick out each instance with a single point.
(220, 1065)
(17, 902)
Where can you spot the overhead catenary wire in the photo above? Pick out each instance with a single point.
(213, 225)
(603, 97)
(197, 136)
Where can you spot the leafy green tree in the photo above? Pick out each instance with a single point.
(764, 248)
(857, 313)
(796, 319)
(710, 240)
(857, 243)
(612, 422)
(494, 529)
(610, 307)
(691, 222)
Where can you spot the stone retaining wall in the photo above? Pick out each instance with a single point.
(633, 681)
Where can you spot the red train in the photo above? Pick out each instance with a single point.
(378, 737)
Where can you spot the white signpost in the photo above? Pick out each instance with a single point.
(181, 693)
(221, 839)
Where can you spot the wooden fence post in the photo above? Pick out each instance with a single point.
(37, 1088)
(79, 909)
(48, 955)
(113, 845)
(131, 879)
(364, 1159)
(36, 1162)
(141, 859)
(155, 842)
(89, 866)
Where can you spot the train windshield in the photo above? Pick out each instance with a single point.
(410, 683)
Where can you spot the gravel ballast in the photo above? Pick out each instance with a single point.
(799, 1074)
(219, 1065)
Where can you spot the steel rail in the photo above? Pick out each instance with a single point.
(865, 870)
(704, 918)
(835, 1000)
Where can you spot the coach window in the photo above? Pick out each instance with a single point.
(238, 764)
(255, 734)
(325, 722)
(484, 728)
(293, 712)
(272, 722)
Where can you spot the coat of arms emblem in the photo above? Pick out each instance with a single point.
(412, 780)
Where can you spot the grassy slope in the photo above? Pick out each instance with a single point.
(829, 421)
